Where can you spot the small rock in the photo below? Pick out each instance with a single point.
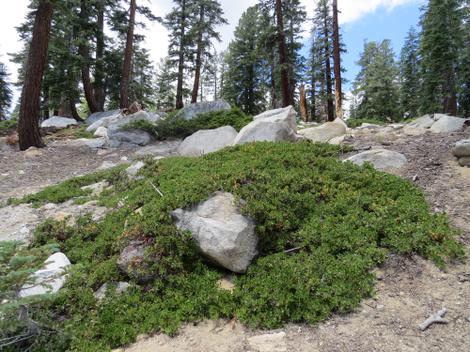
(121, 288)
(462, 148)
(107, 165)
(134, 169)
(226, 283)
(50, 279)
(101, 132)
(132, 262)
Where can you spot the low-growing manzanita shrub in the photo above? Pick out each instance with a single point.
(323, 226)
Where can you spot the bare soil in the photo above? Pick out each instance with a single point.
(408, 290)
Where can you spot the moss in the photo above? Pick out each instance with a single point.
(341, 219)
(174, 126)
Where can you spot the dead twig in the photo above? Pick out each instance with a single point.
(156, 189)
(437, 318)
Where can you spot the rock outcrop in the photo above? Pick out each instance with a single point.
(191, 111)
(207, 141)
(58, 122)
(271, 126)
(223, 235)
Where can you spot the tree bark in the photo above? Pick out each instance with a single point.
(28, 125)
(285, 91)
(127, 65)
(329, 90)
(303, 104)
(197, 74)
(84, 52)
(179, 86)
(337, 63)
(98, 84)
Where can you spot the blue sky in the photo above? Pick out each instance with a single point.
(381, 24)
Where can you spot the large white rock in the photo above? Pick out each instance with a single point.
(207, 141)
(462, 148)
(381, 159)
(191, 111)
(448, 124)
(50, 279)
(325, 132)
(222, 233)
(58, 122)
(271, 126)
(101, 115)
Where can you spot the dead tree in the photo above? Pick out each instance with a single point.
(337, 63)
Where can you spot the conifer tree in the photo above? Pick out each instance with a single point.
(127, 64)
(165, 95)
(463, 70)
(5, 92)
(376, 87)
(441, 39)
(209, 16)
(243, 81)
(410, 75)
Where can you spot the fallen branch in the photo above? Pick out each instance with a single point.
(437, 318)
(156, 189)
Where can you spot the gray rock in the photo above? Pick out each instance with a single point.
(325, 132)
(462, 148)
(115, 122)
(58, 122)
(132, 262)
(134, 169)
(271, 126)
(207, 141)
(191, 111)
(17, 222)
(465, 161)
(50, 279)
(101, 115)
(425, 122)
(121, 288)
(162, 148)
(222, 233)
(101, 132)
(381, 159)
(130, 138)
(448, 124)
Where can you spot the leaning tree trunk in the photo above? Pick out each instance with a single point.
(179, 86)
(337, 62)
(329, 89)
(285, 91)
(28, 125)
(127, 65)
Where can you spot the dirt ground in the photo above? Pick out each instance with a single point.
(409, 290)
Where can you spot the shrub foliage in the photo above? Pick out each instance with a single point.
(340, 219)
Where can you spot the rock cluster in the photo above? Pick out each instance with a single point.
(461, 151)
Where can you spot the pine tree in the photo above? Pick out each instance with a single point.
(127, 64)
(441, 39)
(376, 87)
(243, 80)
(209, 16)
(5, 92)
(165, 95)
(28, 125)
(410, 85)
(179, 22)
(463, 70)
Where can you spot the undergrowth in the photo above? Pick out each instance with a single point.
(341, 220)
(353, 123)
(73, 132)
(8, 126)
(174, 126)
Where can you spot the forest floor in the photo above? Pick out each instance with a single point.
(408, 290)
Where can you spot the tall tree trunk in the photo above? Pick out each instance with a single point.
(450, 99)
(329, 90)
(179, 86)
(127, 65)
(285, 91)
(28, 126)
(303, 104)
(98, 84)
(197, 74)
(337, 62)
(84, 52)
